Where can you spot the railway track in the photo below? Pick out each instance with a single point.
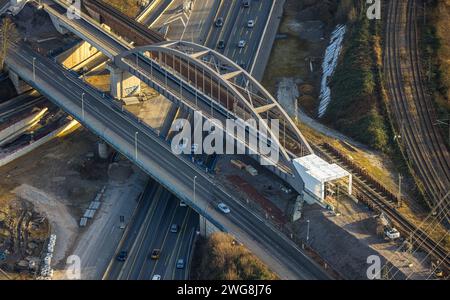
(381, 202)
(422, 143)
(141, 35)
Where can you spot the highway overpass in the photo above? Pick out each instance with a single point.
(142, 145)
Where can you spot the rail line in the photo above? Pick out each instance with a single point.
(141, 35)
(422, 143)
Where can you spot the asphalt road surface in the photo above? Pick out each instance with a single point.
(235, 28)
(149, 230)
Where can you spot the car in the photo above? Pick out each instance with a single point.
(391, 233)
(251, 24)
(180, 263)
(224, 208)
(221, 44)
(241, 44)
(122, 256)
(156, 277)
(182, 204)
(246, 3)
(156, 253)
(174, 228)
(219, 22)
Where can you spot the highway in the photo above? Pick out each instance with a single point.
(122, 130)
(235, 28)
(150, 229)
(258, 12)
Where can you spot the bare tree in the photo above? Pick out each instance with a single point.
(8, 34)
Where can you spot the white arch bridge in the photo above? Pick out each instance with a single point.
(200, 79)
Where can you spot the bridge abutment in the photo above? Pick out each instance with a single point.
(59, 27)
(20, 85)
(77, 55)
(207, 228)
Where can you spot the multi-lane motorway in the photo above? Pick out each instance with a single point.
(235, 28)
(150, 229)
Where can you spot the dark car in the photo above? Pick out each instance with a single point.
(219, 22)
(156, 253)
(221, 44)
(246, 3)
(123, 255)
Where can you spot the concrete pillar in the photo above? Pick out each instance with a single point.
(60, 28)
(20, 85)
(76, 55)
(170, 117)
(103, 150)
(298, 207)
(206, 228)
(123, 84)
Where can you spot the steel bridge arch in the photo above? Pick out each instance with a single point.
(193, 54)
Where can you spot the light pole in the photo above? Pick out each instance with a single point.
(135, 146)
(34, 68)
(82, 105)
(195, 177)
(307, 232)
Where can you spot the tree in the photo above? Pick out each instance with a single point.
(8, 34)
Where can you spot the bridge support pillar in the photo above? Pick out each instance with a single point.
(206, 228)
(169, 120)
(20, 85)
(123, 84)
(58, 25)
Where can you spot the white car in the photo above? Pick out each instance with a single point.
(224, 208)
(182, 204)
(251, 24)
(156, 277)
(241, 44)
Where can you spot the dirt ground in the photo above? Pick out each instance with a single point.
(59, 179)
(346, 241)
(301, 40)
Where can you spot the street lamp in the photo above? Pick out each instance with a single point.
(307, 232)
(82, 105)
(195, 177)
(135, 146)
(34, 68)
